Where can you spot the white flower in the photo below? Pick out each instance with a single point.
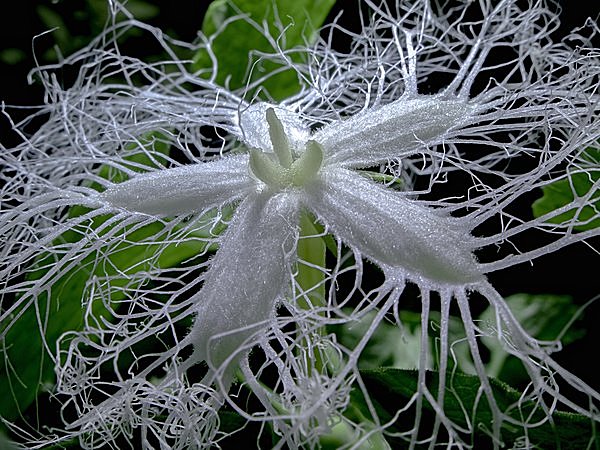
(288, 170)
(366, 109)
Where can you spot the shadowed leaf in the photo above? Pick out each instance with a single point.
(388, 388)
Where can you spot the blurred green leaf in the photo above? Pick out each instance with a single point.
(238, 432)
(5, 444)
(543, 317)
(53, 20)
(141, 10)
(389, 389)
(236, 46)
(562, 192)
(76, 25)
(12, 56)
(390, 345)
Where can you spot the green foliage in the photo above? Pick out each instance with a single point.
(546, 317)
(581, 183)
(390, 346)
(82, 21)
(389, 360)
(5, 444)
(238, 44)
(388, 388)
(12, 56)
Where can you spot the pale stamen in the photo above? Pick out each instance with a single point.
(281, 170)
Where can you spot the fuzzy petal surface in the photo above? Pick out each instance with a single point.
(248, 275)
(182, 190)
(394, 231)
(381, 134)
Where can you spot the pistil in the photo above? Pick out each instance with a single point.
(281, 169)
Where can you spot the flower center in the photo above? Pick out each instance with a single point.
(282, 169)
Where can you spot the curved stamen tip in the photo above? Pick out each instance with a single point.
(308, 164)
(265, 168)
(279, 140)
(268, 170)
(281, 169)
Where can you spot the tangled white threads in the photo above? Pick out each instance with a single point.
(435, 91)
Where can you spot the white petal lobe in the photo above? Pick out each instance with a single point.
(394, 231)
(182, 190)
(380, 134)
(247, 277)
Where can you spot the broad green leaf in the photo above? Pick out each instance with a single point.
(238, 41)
(562, 192)
(543, 317)
(389, 389)
(29, 368)
(75, 26)
(400, 347)
(25, 366)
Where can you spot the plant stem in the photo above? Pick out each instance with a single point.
(311, 279)
(311, 249)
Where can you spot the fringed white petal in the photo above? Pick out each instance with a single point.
(247, 277)
(182, 190)
(393, 231)
(386, 133)
(255, 129)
